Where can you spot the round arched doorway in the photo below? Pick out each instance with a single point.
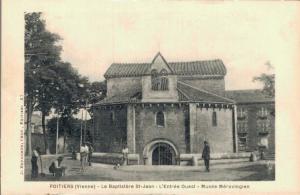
(163, 154)
(160, 152)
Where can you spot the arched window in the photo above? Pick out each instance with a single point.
(160, 119)
(112, 118)
(214, 119)
(164, 83)
(159, 82)
(154, 80)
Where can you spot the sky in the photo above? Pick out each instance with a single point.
(244, 36)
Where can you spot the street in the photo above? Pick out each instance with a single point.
(235, 171)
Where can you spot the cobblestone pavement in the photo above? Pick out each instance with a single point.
(234, 171)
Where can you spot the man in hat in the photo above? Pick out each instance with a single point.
(34, 162)
(206, 155)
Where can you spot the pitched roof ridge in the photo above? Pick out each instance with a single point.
(202, 90)
(194, 61)
(165, 61)
(131, 63)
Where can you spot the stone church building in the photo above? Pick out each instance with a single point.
(164, 111)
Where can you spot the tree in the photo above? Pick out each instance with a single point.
(268, 81)
(49, 82)
(70, 94)
(70, 126)
(41, 52)
(97, 91)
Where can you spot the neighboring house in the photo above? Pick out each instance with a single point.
(163, 110)
(255, 119)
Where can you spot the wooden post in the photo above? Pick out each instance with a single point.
(81, 128)
(85, 117)
(234, 129)
(28, 129)
(133, 128)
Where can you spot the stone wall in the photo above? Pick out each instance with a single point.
(37, 140)
(110, 128)
(117, 86)
(220, 137)
(150, 95)
(147, 131)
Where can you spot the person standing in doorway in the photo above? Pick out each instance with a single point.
(34, 162)
(206, 155)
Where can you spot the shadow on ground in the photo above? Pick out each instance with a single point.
(260, 173)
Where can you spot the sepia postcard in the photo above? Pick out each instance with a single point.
(150, 97)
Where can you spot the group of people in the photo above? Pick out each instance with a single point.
(55, 168)
(86, 151)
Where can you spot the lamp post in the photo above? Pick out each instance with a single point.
(81, 128)
(57, 129)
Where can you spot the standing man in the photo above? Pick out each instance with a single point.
(84, 151)
(125, 155)
(34, 162)
(91, 150)
(206, 155)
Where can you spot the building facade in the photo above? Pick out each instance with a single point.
(255, 120)
(164, 111)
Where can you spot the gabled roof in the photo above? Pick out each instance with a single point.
(205, 67)
(248, 96)
(158, 55)
(191, 93)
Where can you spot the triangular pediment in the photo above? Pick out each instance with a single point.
(159, 63)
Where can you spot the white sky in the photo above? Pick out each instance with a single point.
(244, 36)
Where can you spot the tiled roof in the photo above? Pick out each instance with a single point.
(126, 70)
(248, 96)
(186, 93)
(130, 95)
(208, 67)
(191, 93)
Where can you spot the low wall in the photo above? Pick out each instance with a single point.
(185, 159)
(37, 140)
(114, 158)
